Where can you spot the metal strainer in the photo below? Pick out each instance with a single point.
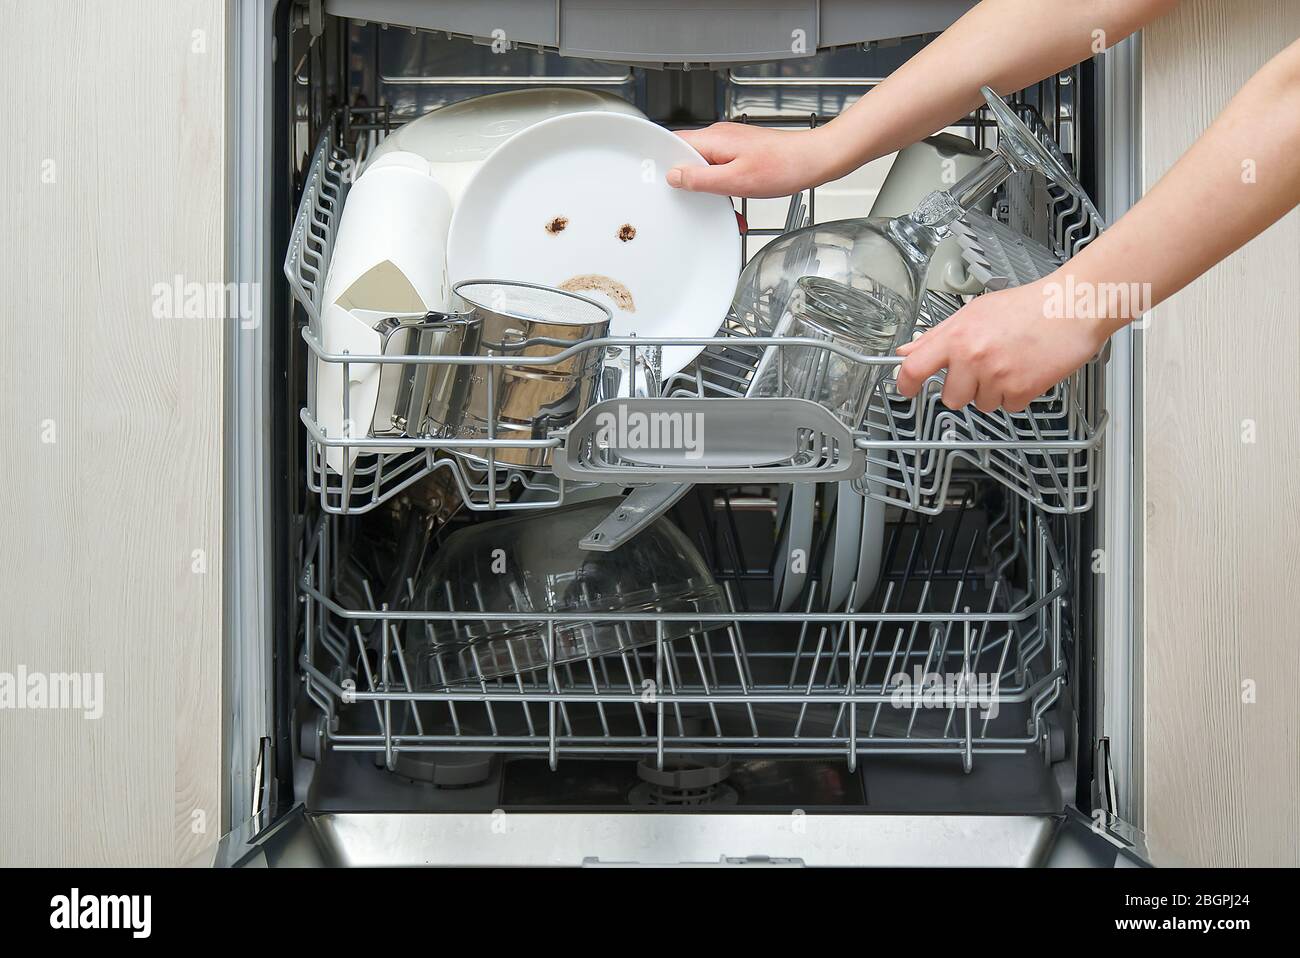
(528, 302)
(529, 399)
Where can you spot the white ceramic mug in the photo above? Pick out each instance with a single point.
(935, 163)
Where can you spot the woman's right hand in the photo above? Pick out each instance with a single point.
(755, 161)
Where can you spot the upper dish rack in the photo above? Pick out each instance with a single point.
(906, 455)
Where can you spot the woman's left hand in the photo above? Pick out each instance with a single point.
(1003, 349)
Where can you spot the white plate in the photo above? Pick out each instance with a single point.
(455, 139)
(580, 201)
(470, 130)
(872, 543)
(843, 550)
(871, 548)
(797, 511)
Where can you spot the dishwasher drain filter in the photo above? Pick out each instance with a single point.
(683, 781)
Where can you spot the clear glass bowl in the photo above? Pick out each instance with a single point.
(532, 564)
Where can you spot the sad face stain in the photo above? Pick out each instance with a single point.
(595, 282)
(626, 232)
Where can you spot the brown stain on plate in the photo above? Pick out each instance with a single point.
(557, 225)
(596, 282)
(627, 232)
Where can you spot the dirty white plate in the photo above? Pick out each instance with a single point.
(580, 202)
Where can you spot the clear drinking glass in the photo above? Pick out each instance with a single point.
(878, 266)
(865, 321)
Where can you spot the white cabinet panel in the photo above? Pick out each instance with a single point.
(111, 189)
(1221, 381)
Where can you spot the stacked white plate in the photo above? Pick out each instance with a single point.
(456, 139)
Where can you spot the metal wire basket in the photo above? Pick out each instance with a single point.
(906, 454)
(962, 653)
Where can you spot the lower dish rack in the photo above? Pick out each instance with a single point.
(961, 651)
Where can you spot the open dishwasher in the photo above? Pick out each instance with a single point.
(929, 693)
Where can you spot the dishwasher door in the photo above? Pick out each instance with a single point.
(304, 839)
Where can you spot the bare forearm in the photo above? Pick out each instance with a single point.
(1237, 179)
(1006, 44)
(1007, 347)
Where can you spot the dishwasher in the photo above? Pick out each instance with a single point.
(957, 692)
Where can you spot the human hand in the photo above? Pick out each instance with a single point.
(755, 161)
(1002, 349)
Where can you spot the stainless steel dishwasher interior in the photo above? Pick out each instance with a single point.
(980, 570)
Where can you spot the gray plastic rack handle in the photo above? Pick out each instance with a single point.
(708, 440)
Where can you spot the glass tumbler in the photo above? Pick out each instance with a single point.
(864, 320)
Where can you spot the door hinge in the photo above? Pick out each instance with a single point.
(1105, 794)
(262, 776)
(1105, 816)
